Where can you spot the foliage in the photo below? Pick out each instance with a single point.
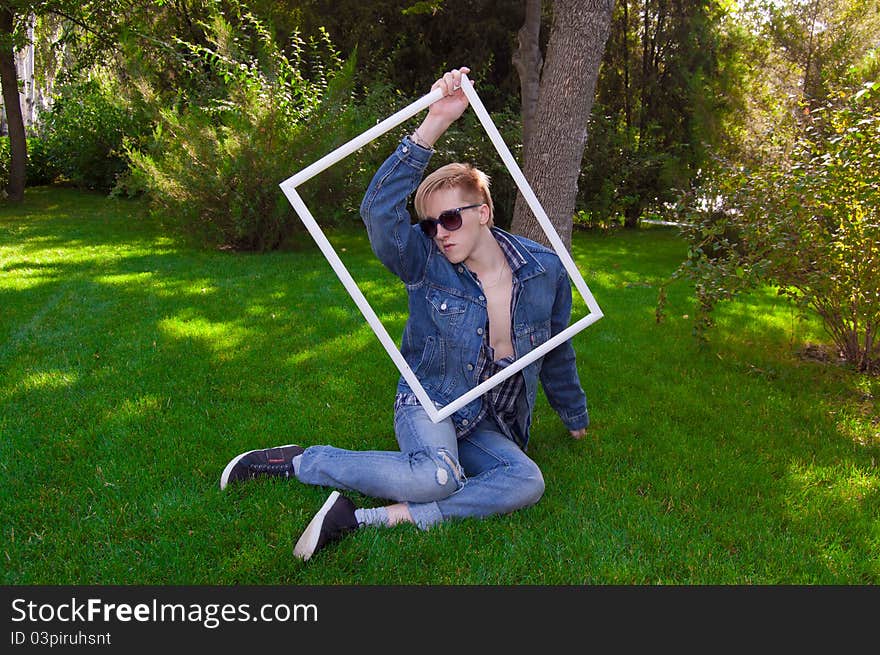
(666, 90)
(40, 167)
(821, 43)
(84, 131)
(798, 53)
(618, 180)
(94, 24)
(807, 221)
(409, 44)
(214, 169)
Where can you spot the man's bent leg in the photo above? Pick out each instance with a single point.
(500, 478)
(425, 469)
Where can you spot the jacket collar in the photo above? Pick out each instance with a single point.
(519, 254)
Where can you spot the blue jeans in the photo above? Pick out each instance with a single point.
(438, 475)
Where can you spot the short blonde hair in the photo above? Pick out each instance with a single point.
(471, 180)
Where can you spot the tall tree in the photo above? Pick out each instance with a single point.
(12, 104)
(528, 62)
(670, 90)
(821, 40)
(92, 17)
(554, 144)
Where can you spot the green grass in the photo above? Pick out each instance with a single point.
(132, 367)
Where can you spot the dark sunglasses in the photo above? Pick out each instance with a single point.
(450, 220)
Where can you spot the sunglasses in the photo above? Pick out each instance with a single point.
(450, 220)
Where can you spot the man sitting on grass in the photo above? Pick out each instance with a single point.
(479, 297)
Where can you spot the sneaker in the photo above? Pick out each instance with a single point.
(269, 462)
(333, 520)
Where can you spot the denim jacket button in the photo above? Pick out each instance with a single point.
(482, 297)
(464, 421)
(443, 307)
(479, 330)
(461, 269)
(470, 367)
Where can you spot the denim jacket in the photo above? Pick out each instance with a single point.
(447, 309)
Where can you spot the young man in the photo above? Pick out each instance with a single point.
(478, 298)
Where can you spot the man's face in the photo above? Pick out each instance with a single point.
(458, 244)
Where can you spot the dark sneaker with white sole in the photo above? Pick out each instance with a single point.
(333, 520)
(269, 462)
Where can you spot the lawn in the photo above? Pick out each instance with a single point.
(133, 366)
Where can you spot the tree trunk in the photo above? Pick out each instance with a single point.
(12, 104)
(528, 62)
(555, 149)
(627, 101)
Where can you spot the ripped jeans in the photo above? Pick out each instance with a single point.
(438, 475)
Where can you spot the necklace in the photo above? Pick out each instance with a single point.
(501, 269)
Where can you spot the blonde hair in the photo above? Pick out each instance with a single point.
(471, 180)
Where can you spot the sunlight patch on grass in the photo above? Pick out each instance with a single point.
(329, 349)
(25, 278)
(53, 380)
(863, 430)
(273, 312)
(126, 279)
(216, 336)
(390, 319)
(379, 293)
(836, 485)
(136, 408)
(192, 287)
(764, 313)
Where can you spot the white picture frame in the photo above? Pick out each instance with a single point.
(435, 412)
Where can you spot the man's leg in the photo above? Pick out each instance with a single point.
(425, 469)
(500, 478)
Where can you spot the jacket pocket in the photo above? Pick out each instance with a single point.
(446, 310)
(530, 337)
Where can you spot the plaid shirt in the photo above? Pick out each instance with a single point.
(500, 401)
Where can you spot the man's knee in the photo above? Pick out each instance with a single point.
(439, 472)
(529, 487)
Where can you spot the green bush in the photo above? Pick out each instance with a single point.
(808, 222)
(215, 162)
(41, 165)
(213, 170)
(84, 131)
(214, 167)
(621, 178)
(40, 168)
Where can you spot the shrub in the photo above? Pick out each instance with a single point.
(83, 133)
(808, 222)
(41, 165)
(621, 178)
(40, 168)
(213, 170)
